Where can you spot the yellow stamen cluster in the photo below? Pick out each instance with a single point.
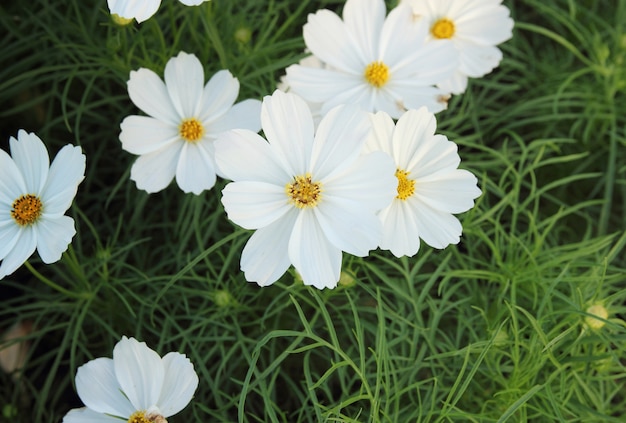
(406, 186)
(26, 209)
(191, 130)
(377, 74)
(443, 28)
(303, 192)
(142, 417)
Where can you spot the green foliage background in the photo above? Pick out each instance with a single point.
(490, 330)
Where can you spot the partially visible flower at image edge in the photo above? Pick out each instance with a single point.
(184, 118)
(141, 10)
(34, 197)
(474, 27)
(309, 194)
(136, 385)
(430, 187)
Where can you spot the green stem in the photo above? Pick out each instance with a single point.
(56, 287)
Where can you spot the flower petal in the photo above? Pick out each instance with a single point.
(195, 171)
(381, 134)
(218, 96)
(477, 60)
(12, 185)
(400, 229)
(22, 250)
(339, 140)
(153, 172)
(452, 192)
(66, 173)
(85, 415)
(264, 259)
(324, 85)
(242, 155)
(243, 115)
(312, 254)
(99, 389)
(179, 385)
(288, 125)
(149, 93)
(412, 138)
(329, 39)
(140, 372)
(31, 157)
(432, 156)
(184, 80)
(53, 237)
(254, 205)
(140, 10)
(437, 229)
(192, 2)
(364, 20)
(9, 236)
(144, 134)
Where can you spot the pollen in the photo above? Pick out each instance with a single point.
(191, 130)
(26, 209)
(377, 74)
(442, 28)
(142, 417)
(406, 186)
(303, 192)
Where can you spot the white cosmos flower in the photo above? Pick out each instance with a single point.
(475, 27)
(429, 187)
(309, 194)
(371, 60)
(184, 118)
(34, 197)
(137, 386)
(141, 10)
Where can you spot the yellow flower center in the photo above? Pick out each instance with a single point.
(377, 74)
(303, 192)
(26, 209)
(142, 417)
(191, 130)
(443, 28)
(406, 186)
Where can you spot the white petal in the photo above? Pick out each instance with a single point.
(149, 93)
(437, 229)
(324, 85)
(370, 182)
(477, 60)
(264, 259)
(412, 137)
(288, 125)
(144, 134)
(364, 20)
(140, 10)
(22, 250)
(195, 171)
(456, 84)
(432, 156)
(153, 172)
(254, 205)
(192, 2)
(140, 372)
(53, 237)
(9, 236)
(31, 157)
(485, 25)
(218, 96)
(242, 155)
(328, 38)
(66, 173)
(99, 389)
(381, 134)
(400, 229)
(452, 192)
(339, 140)
(12, 185)
(432, 63)
(180, 383)
(85, 415)
(401, 36)
(312, 254)
(184, 80)
(243, 115)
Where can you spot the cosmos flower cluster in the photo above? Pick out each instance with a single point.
(350, 161)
